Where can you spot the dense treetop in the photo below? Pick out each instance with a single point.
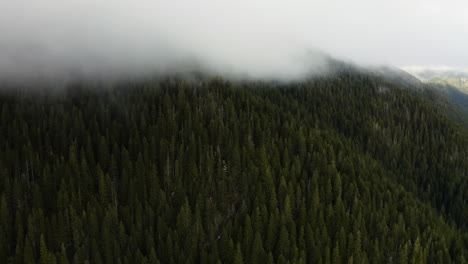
(340, 169)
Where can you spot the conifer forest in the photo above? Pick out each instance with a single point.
(345, 168)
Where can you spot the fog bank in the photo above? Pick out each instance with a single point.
(258, 39)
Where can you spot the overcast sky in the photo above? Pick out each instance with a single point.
(263, 38)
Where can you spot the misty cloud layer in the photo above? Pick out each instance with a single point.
(280, 39)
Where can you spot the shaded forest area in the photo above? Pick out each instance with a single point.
(340, 169)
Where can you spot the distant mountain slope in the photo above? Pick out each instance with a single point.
(400, 77)
(454, 78)
(459, 83)
(456, 94)
(451, 101)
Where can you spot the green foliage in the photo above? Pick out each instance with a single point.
(330, 170)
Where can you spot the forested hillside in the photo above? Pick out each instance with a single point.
(449, 100)
(340, 169)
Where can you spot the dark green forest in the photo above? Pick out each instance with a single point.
(346, 168)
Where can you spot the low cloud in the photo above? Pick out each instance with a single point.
(258, 39)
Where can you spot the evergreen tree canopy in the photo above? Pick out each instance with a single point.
(329, 170)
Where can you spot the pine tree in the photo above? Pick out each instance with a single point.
(63, 255)
(29, 257)
(336, 258)
(238, 259)
(283, 244)
(43, 252)
(258, 252)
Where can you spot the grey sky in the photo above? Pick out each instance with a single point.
(262, 38)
